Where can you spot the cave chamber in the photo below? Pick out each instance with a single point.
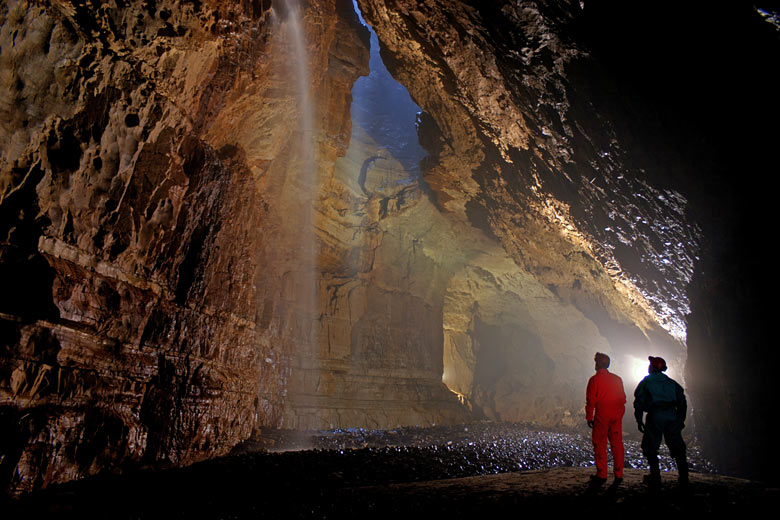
(218, 218)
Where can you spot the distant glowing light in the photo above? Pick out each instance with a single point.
(638, 368)
(634, 369)
(359, 14)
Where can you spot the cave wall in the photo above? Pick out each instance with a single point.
(707, 88)
(160, 304)
(524, 147)
(512, 348)
(138, 219)
(628, 129)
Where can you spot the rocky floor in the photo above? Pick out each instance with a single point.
(457, 471)
(458, 451)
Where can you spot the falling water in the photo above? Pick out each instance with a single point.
(382, 158)
(302, 75)
(299, 194)
(305, 183)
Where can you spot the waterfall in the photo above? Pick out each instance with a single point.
(301, 184)
(294, 18)
(306, 292)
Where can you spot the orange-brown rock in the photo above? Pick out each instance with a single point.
(604, 144)
(184, 295)
(146, 148)
(515, 156)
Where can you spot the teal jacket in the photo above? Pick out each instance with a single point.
(660, 395)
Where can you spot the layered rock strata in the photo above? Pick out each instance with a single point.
(522, 149)
(145, 147)
(626, 142)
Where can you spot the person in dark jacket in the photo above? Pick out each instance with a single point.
(605, 404)
(663, 399)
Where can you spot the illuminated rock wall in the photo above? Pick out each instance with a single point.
(159, 303)
(618, 151)
(145, 149)
(523, 149)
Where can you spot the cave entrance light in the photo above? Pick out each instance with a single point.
(384, 138)
(633, 369)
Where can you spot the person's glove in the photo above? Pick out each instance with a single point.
(641, 426)
(590, 423)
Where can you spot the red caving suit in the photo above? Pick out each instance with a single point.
(606, 397)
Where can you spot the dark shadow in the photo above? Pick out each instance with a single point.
(594, 486)
(367, 164)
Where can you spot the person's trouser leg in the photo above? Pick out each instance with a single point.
(674, 441)
(651, 441)
(616, 445)
(599, 436)
(682, 468)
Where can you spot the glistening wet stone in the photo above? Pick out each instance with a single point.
(455, 451)
(320, 465)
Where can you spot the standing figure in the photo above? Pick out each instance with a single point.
(604, 408)
(664, 401)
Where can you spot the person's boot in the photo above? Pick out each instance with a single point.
(653, 479)
(682, 469)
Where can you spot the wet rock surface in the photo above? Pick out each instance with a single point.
(362, 470)
(133, 229)
(524, 146)
(632, 143)
(511, 92)
(458, 450)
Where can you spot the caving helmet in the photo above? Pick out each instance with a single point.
(657, 364)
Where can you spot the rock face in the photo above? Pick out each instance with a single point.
(201, 235)
(594, 246)
(138, 220)
(711, 97)
(595, 151)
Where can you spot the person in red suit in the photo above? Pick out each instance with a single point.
(604, 408)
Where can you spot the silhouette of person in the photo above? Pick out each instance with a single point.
(605, 405)
(663, 399)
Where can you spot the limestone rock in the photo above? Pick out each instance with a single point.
(135, 214)
(515, 153)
